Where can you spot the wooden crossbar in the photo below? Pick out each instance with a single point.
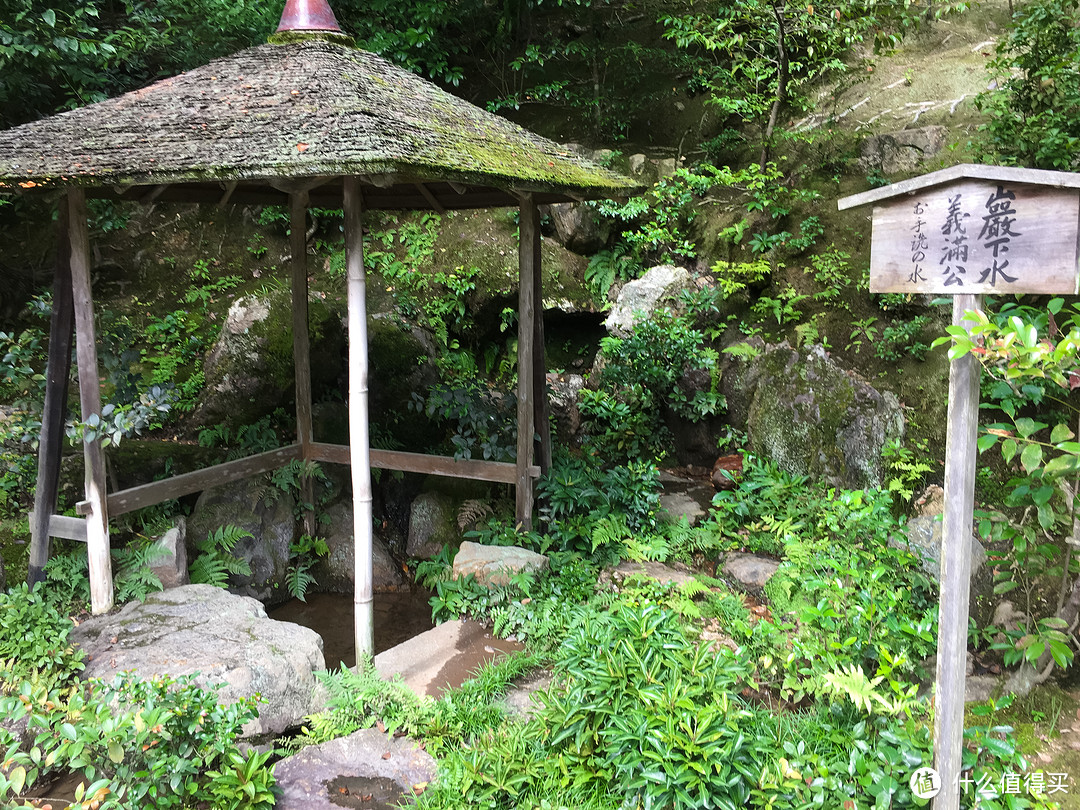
(501, 472)
(70, 528)
(128, 500)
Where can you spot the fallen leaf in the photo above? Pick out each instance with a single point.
(301, 147)
(386, 755)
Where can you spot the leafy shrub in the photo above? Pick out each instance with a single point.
(142, 743)
(34, 639)
(1032, 114)
(641, 378)
(478, 419)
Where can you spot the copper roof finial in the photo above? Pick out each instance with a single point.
(308, 15)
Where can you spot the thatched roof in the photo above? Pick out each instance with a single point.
(313, 109)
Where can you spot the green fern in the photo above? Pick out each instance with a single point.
(215, 560)
(298, 580)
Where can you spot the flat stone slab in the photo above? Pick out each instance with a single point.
(367, 769)
(442, 658)
(520, 699)
(218, 636)
(749, 570)
(494, 565)
(677, 505)
(654, 570)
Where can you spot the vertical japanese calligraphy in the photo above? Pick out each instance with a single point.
(977, 236)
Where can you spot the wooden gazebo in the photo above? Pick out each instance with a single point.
(306, 119)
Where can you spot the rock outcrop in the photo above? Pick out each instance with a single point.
(494, 565)
(224, 638)
(809, 415)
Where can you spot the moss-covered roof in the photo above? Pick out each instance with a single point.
(309, 109)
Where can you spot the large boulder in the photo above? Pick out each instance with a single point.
(223, 638)
(237, 375)
(902, 151)
(432, 525)
(368, 768)
(267, 514)
(336, 572)
(494, 565)
(809, 415)
(638, 299)
(577, 227)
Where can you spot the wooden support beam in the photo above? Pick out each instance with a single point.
(97, 522)
(359, 438)
(542, 406)
(298, 203)
(69, 528)
(960, 458)
(230, 187)
(128, 500)
(154, 193)
(57, 375)
(529, 230)
(500, 472)
(427, 195)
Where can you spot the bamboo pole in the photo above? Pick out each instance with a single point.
(57, 376)
(97, 522)
(960, 457)
(358, 423)
(298, 203)
(529, 238)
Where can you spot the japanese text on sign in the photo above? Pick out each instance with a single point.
(977, 236)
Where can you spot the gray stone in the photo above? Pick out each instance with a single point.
(170, 556)
(267, 514)
(224, 638)
(577, 227)
(494, 565)
(638, 299)
(978, 688)
(563, 397)
(432, 524)
(923, 539)
(235, 368)
(750, 571)
(637, 164)
(677, 505)
(810, 416)
(902, 151)
(442, 658)
(336, 572)
(665, 167)
(521, 699)
(675, 574)
(312, 779)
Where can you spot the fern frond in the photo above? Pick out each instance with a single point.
(298, 580)
(473, 511)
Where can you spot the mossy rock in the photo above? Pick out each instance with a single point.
(809, 416)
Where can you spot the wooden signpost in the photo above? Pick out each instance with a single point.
(968, 231)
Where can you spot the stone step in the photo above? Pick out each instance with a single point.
(444, 657)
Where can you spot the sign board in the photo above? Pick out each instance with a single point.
(977, 236)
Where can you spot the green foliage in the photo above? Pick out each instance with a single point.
(607, 265)
(214, 560)
(906, 470)
(1031, 114)
(576, 495)
(67, 573)
(303, 554)
(901, 339)
(246, 440)
(158, 742)
(34, 641)
(479, 419)
(642, 378)
(128, 419)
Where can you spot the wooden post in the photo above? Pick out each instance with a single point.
(529, 239)
(57, 375)
(97, 522)
(542, 407)
(298, 203)
(359, 455)
(960, 456)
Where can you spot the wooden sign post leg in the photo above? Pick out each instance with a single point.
(528, 272)
(960, 456)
